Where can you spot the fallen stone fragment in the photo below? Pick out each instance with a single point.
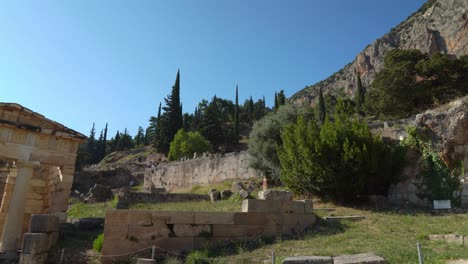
(308, 260)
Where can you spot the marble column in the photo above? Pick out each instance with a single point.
(11, 236)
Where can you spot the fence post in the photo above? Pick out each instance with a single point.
(273, 257)
(61, 255)
(420, 255)
(153, 252)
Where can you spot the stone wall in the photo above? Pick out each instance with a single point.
(207, 169)
(131, 230)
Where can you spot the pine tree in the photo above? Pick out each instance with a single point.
(250, 109)
(115, 142)
(321, 107)
(103, 151)
(91, 146)
(360, 93)
(140, 137)
(236, 117)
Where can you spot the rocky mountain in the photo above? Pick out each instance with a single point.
(438, 26)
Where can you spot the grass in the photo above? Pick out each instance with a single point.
(83, 210)
(231, 205)
(392, 235)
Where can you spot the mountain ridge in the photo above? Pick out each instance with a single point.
(438, 26)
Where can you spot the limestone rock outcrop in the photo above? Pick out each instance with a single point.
(438, 26)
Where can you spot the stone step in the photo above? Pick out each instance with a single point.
(334, 219)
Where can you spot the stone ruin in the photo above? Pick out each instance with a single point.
(128, 231)
(36, 173)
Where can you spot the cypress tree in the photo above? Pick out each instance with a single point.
(360, 93)
(276, 102)
(236, 117)
(171, 121)
(104, 145)
(281, 98)
(321, 107)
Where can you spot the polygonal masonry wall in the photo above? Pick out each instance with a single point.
(37, 159)
(131, 230)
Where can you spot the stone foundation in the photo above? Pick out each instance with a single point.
(130, 230)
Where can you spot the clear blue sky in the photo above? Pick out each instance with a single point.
(79, 62)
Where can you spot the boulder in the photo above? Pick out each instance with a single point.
(244, 194)
(99, 193)
(237, 186)
(363, 258)
(226, 194)
(275, 195)
(214, 195)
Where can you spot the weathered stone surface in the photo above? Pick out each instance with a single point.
(273, 206)
(308, 206)
(43, 223)
(449, 238)
(191, 230)
(86, 224)
(35, 243)
(204, 170)
(33, 258)
(99, 193)
(244, 194)
(146, 261)
(464, 196)
(275, 195)
(308, 260)
(202, 218)
(437, 29)
(364, 258)
(237, 186)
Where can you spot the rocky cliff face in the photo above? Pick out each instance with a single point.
(438, 26)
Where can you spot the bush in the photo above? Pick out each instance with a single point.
(185, 144)
(97, 243)
(198, 257)
(340, 160)
(266, 135)
(437, 179)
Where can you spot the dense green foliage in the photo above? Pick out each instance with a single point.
(266, 135)
(97, 243)
(437, 179)
(360, 94)
(321, 108)
(185, 144)
(339, 160)
(412, 81)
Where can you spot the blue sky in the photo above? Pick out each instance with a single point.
(79, 62)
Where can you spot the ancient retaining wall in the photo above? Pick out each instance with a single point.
(131, 230)
(133, 198)
(206, 169)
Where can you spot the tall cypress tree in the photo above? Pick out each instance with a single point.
(281, 98)
(104, 144)
(171, 121)
(360, 93)
(276, 102)
(321, 107)
(236, 117)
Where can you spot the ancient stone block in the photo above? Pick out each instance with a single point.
(225, 218)
(53, 238)
(364, 258)
(251, 218)
(464, 196)
(182, 230)
(238, 230)
(265, 206)
(33, 258)
(140, 218)
(35, 243)
(308, 260)
(308, 206)
(293, 229)
(174, 217)
(157, 229)
(296, 207)
(116, 217)
(146, 261)
(43, 223)
(449, 238)
(299, 219)
(275, 195)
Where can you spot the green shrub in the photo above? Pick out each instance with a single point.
(340, 160)
(198, 257)
(185, 144)
(97, 243)
(437, 179)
